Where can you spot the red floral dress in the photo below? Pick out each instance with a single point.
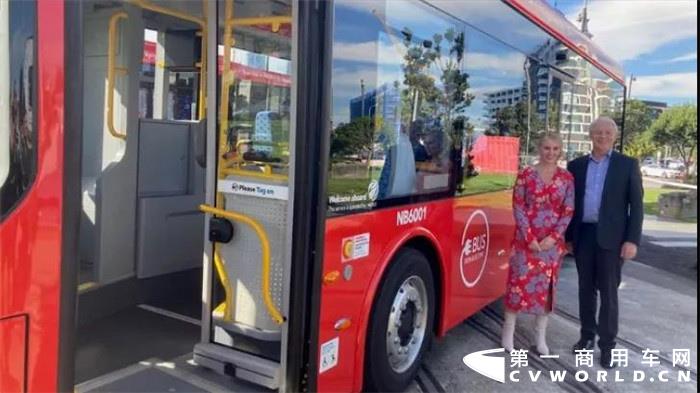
(540, 209)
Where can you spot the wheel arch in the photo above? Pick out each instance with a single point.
(424, 242)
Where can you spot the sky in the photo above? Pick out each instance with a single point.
(654, 40)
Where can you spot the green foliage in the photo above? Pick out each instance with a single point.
(354, 137)
(640, 146)
(677, 127)
(638, 118)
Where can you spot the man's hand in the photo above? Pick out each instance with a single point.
(629, 251)
(570, 248)
(535, 246)
(547, 243)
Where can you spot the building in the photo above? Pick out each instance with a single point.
(384, 102)
(503, 98)
(656, 107)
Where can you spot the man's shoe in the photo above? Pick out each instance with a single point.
(606, 359)
(583, 343)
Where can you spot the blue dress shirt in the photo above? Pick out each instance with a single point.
(595, 180)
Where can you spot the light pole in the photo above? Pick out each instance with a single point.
(629, 88)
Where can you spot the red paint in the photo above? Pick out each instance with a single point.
(444, 228)
(552, 21)
(30, 237)
(13, 341)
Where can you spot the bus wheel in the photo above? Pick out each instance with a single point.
(401, 324)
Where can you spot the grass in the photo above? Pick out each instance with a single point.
(651, 198)
(487, 182)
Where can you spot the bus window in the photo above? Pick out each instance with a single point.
(170, 79)
(398, 88)
(18, 87)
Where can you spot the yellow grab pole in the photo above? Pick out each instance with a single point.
(265, 245)
(111, 70)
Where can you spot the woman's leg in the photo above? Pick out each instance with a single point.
(541, 333)
(508, 330)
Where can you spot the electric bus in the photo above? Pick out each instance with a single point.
(267, 194)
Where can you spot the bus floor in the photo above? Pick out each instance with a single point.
(146, 348)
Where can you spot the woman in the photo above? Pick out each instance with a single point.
(543, 204)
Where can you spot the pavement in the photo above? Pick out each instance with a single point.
(658, 312)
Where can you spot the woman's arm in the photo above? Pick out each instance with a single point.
(522, 223)
(566, 212)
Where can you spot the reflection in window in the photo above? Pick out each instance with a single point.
(23, 133)
(399, 93)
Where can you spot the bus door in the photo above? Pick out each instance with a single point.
(249, 199)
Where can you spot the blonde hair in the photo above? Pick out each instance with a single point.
(552, 136)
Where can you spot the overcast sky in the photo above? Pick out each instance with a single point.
(655, 40)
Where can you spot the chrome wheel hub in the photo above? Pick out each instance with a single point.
(407, 322)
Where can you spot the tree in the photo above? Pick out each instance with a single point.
(638, 118)
(640, 146)
(677, 127)
(354, 138)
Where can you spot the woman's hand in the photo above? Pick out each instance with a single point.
(535, 246)
(547, 243)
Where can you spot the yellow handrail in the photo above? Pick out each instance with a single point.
(273, 21)
(265, 245)
(111, 70)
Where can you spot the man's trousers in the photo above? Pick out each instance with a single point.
(599, 270)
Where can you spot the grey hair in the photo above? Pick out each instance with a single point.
(603, 120)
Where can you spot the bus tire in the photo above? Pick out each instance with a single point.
(401, 323)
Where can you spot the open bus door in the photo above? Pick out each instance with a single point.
(144, 160)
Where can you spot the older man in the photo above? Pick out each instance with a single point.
(604, 232)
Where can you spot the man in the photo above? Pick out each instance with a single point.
(604, 232)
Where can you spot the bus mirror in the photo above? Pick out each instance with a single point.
(4, 91)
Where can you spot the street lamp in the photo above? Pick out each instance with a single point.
(629, 88)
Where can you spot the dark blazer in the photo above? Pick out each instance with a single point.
(621, 209)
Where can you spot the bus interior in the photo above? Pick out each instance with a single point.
(145, 169)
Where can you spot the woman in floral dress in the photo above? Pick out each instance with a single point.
(543, 204)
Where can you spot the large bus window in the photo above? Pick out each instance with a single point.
(21, 168)
(502, 120)
(399, 87)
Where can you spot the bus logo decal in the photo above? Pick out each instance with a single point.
(475, 248)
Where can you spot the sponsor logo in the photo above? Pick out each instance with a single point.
(475, 248)
(410, 216)
(355, 247)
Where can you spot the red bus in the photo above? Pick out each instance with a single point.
(305, 213)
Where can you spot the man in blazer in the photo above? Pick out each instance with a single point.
(604, 232)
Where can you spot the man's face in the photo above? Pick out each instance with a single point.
(603, 136)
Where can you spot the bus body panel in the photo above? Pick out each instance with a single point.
(360, 247)
(30, 261)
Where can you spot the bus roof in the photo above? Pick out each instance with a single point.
(555, 23)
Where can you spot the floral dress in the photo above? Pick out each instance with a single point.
(540, 209)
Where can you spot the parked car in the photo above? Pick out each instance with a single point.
(648, 161)
(674, 164)
(659, 171)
